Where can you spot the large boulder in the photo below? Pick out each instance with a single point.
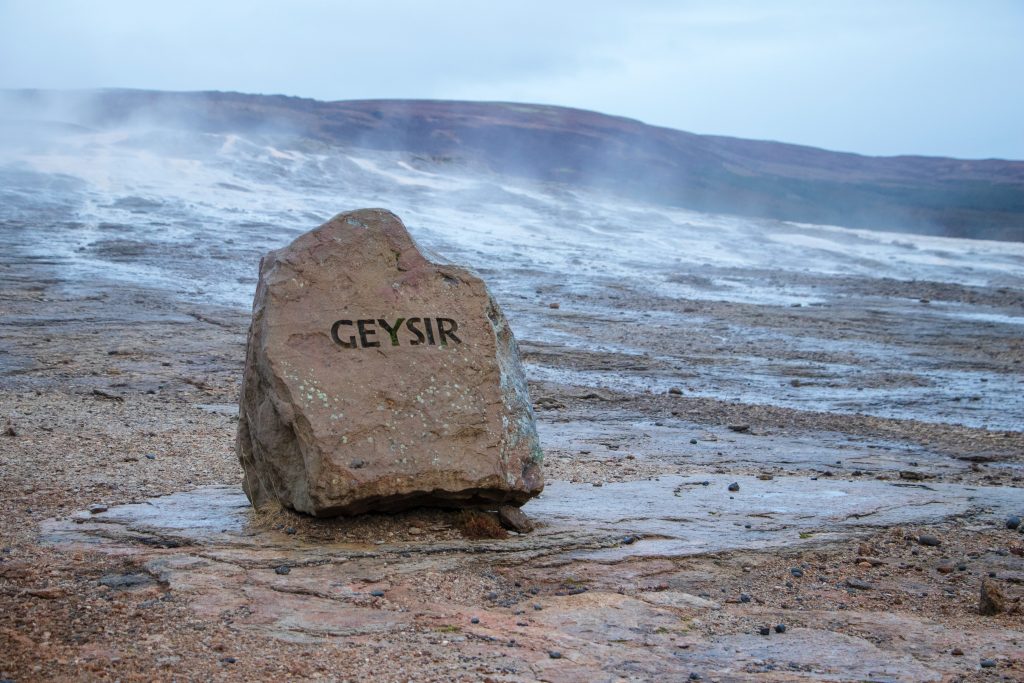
(376, 380)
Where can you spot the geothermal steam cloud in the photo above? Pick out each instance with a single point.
(377, 380)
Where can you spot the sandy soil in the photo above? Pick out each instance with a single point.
(115, 395)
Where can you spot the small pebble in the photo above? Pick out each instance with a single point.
(537, 607)
(1012, 522)
(734, 486)
(988, 663)
(555, 654)
(957, 652)
(97, 507)
(377, 593)
(929, 540)
(693, 441)
(282, 569)
(290, 530)
(694, 676)
(475, 620)
(151, 456)
(797, 572)
(780, 628)
(764, 630)
(744, 597)
(629, 540)
(228, 660)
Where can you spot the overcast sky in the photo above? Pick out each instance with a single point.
(884, 77)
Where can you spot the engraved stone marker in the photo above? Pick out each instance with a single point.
(377, 380)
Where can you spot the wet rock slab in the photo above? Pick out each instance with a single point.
(670, 515)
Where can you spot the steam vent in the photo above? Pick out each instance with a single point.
(376, 380)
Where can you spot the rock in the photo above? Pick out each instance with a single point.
(555, 654)
(734, 486)
(945, 568)
(675, 391)
(360, 349)
(474, 620)
(515, 519)
(97, 508)
(929, 540)
(859, 584)
(740, 428)
(957, 652)
(1012, 522)
(992, 601)
(744, 597)
(126, 581)
(282, 569)
(988, 663)
(377, 593)
(780, 628)
(764, 631)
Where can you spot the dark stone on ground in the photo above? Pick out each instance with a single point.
(515, 519)
(929, 540)
(125, 581)
(734, 486)
(991, 601)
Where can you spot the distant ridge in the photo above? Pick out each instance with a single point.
(981, 199)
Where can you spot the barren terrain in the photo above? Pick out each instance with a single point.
(862, 392)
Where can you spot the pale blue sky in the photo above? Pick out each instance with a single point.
(936, 77)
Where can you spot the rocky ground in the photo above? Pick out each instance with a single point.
(855, 546)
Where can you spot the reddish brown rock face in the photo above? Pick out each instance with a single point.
(377, 380)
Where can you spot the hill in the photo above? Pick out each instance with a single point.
(932, 195)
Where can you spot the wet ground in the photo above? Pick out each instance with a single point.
(862, 390)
